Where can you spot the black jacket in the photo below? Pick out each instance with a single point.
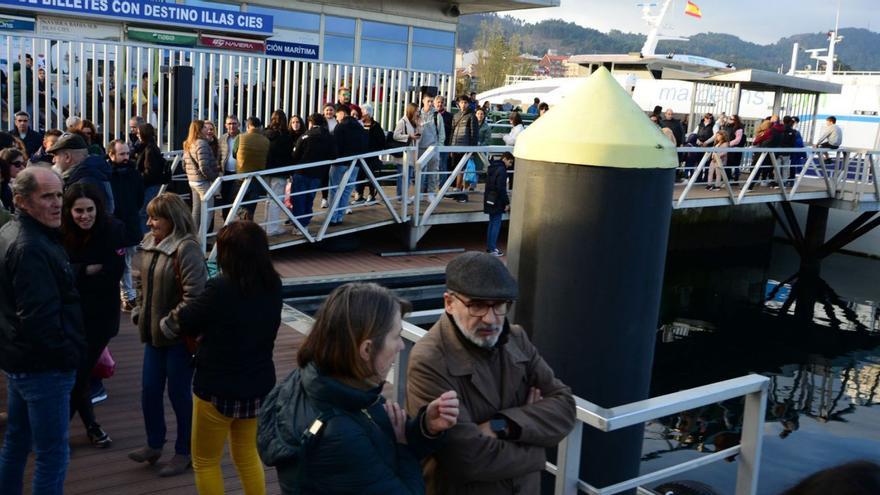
(280, 148)
(677, 129)
(447, 125)
(495, 199)
(354, 452)
(41, 326)
(93, 170)
(151, 164)
(6, 197)
(234, 360)
(99, 292)
(128, 193)
(33, 140)
(376, 141)
(351, 138)
(315, 145)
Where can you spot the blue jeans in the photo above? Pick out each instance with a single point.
(337, 172)
(494, 231)
(171, 365)
(39, 416)
(303, 203)
(150, 192)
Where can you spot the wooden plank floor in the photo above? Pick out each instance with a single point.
(109, 471)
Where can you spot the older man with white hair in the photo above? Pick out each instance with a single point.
(376, 142)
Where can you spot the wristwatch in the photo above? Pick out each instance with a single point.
(499, 427)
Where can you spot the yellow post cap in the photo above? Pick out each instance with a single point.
(598, 124)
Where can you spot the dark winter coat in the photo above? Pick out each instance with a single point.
(280, 148)
(93, 170)
(465, 129)
(99, 292)
(495, 200)
(238, 330)
(41, 325)
(375, 142)
(128, 192)
(351, 138)
(33, 140)
(354, 451)
(152, 167)
(316, 145)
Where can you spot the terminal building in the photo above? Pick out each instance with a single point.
(109, 60)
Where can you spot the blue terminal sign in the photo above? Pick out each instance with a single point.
(152, 12)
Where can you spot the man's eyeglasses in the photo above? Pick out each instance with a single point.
(480, 307)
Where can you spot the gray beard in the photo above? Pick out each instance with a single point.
(472, 338)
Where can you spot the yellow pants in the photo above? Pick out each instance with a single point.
(209, 432)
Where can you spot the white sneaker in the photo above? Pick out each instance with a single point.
(323, 203)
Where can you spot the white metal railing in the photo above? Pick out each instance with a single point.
(101, 81)
(566, 471)
(765, 175)
(769, 175)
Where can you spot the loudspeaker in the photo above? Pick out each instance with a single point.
(181, 108)
(428, 90)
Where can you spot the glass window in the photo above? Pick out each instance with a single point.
(382, 31)
(433, 59)
(211, 5)
(383, 54)
(303, 21)
(434, 37)
(338, 25)
(338, 49)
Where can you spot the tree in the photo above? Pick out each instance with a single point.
(499, 55)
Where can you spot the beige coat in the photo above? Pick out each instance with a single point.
(470, 462)
(160, 295)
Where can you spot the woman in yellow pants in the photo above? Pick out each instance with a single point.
(236, 321)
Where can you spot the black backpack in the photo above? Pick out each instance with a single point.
(789, 138)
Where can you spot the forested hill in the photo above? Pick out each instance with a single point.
(858, 51)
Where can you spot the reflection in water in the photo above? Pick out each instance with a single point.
(823, 369)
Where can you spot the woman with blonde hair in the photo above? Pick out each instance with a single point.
(173, 275)
(718, 162)
(406, 132)
(201, 167)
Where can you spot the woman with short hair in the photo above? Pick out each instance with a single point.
(236, 320)
(173, 274)
(327, 428)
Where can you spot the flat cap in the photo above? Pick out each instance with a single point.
(480, 276)
(68, 141)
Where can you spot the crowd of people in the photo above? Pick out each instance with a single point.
(730, 132)
(482, 406)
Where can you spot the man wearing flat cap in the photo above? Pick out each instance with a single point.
(512, 406)
(71, 158)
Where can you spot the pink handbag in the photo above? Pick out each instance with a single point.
(106, 366)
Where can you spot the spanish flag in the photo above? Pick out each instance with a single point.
(691, 9)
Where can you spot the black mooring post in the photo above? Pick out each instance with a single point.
(591, 210)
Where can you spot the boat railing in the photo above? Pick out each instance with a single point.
(567, 468)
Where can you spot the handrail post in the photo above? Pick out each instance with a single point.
(568, 462)
(751, 440)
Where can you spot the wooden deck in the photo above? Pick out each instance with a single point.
(109, 471)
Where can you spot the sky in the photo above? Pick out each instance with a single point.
(759, 21)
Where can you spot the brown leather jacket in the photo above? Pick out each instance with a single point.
(470, 462)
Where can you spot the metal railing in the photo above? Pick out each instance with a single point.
(775, 174)
(102, 81)
(567, 468)
(764, 175)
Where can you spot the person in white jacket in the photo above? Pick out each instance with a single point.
(516, 128)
